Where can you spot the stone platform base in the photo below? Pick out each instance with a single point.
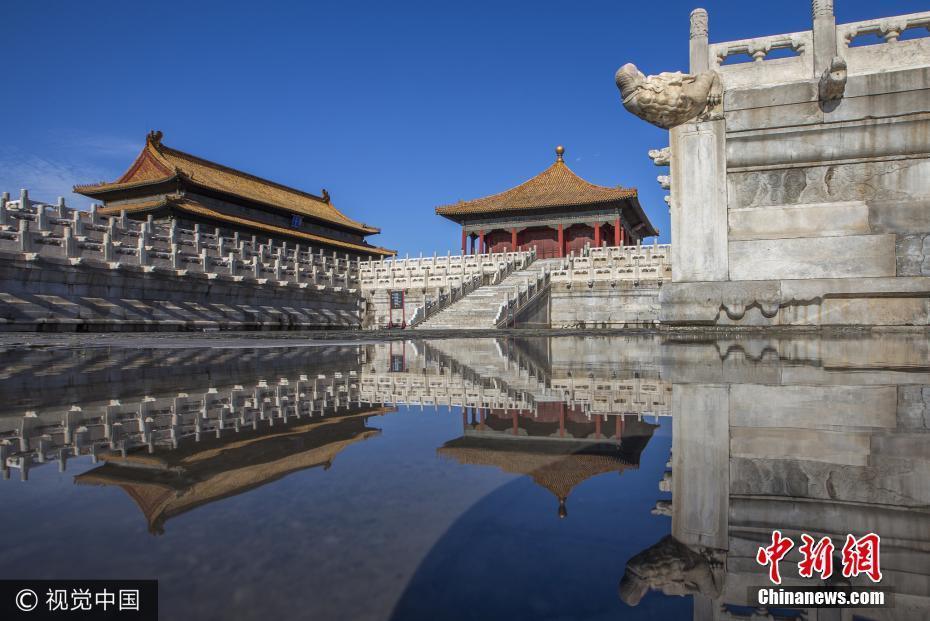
(603, 306)
(50, 294)
(902, 301)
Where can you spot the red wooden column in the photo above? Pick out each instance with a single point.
(480, 242)
(516, 423)
(464, 239)
(619, 427)
(597, 234)
(513, 240)
(561, 415)
(597, 426)
(618, 238)
(561, 241)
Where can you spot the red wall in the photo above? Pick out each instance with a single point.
(498, 241)
(576, 236)
(544, 238)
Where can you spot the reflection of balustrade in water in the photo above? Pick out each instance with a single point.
(430, 381)
(151, 423)
(642, 396)
(472, 374)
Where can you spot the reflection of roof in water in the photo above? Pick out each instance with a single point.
(169, 483)
(555, 464)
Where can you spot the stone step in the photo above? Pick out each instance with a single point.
(479, 309)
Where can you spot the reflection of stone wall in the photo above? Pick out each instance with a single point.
(825, 437)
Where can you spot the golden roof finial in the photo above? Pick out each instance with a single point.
(559, 152)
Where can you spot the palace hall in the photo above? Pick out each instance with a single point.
(168, 184)
(556, 211)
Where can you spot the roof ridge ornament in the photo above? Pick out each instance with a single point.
(154, 137)
(325, 196)
(559, 152)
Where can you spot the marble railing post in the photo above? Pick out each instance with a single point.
(824, 34)
(77, 223)
(256, 267)
(69, 244)
(107, 247)
(25, 236)
(232, 264)
(41, 217)
(4, 212)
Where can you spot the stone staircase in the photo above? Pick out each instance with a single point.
(478, 310)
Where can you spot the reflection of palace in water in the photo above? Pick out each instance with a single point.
(820, 436)
(522, 414)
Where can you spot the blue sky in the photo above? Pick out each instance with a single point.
(394, 107)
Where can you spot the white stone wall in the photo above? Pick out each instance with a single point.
(610, 287)
(64, 269)
(799, 210)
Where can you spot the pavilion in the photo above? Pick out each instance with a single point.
(168, 184)
(556, 211)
